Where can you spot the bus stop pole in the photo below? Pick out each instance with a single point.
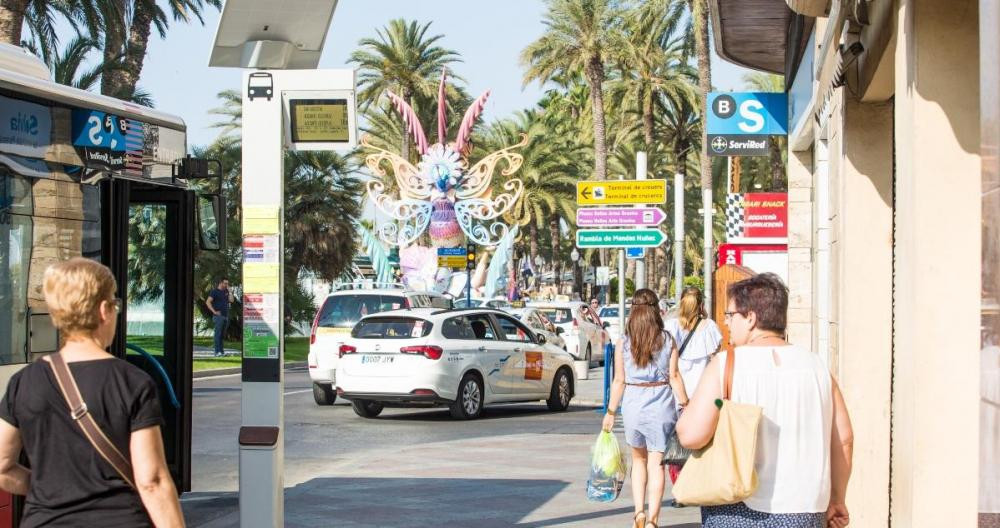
(261, 438)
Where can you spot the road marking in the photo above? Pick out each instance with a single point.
(297, 392)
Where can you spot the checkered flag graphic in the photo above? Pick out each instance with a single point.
(734, 216)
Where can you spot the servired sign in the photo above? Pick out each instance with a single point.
(757, 217)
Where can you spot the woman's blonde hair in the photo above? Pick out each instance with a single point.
(692, 306)
(644, 327)
(74, 290)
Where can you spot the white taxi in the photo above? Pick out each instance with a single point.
(463, 359)
(583, 331)
(340, 311)
(540, 324)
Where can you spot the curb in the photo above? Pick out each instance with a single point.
(237, 370)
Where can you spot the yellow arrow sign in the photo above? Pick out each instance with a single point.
(621, 192)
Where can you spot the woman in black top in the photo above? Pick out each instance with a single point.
(70, 483)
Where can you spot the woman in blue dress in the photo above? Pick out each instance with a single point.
(645, 372)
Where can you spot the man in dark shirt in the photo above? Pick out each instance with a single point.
(218, 303)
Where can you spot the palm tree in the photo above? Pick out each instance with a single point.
(40, 17)
(65, 66)
(579, 37)
(549, 174)
(402, 59)
(768, 82)
(126, 35)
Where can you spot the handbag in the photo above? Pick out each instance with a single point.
(82, 417)
(676, 454)
(723, 471)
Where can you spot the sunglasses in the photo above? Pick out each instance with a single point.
(118, 304)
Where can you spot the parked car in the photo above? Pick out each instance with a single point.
(582, 330)
(610, 321)
(462, 359)
(338, 314)
(499, 304)
(539, 323)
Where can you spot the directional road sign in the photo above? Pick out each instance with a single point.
(452, 257)
(635, 253)
(619, 216)
(619, 238)
(621, 192)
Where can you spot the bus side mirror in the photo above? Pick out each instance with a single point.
(211, 222)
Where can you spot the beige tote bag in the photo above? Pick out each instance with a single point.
(723, 472)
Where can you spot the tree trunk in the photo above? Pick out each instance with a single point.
(700, 14)
(647, 120)
(556, 265)
(533, 245)
(595, 78)
(114, 44)
(135, 50)
(12, 20)
(777, 166)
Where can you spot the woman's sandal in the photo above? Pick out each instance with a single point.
(636, 522)
(651, 524)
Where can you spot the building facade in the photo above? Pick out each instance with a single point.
(894, 234)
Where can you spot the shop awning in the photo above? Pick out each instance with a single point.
(751, 33)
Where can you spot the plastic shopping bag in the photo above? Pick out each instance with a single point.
(607, 469)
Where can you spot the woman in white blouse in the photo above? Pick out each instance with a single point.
(805, 441)
(705, 340)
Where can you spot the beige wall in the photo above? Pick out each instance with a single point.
(937, 250)
(861, 315)
(800, 247)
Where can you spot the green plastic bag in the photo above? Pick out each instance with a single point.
(607, 469)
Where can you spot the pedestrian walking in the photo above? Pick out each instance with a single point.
(644, 381)
(97, 461)
(218, 303)
(699, 339)
(802, 482)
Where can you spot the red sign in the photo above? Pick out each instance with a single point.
(757, 215)
(733, 253)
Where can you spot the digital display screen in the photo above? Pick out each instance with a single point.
(319, 121)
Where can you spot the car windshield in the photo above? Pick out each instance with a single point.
(613, 312)
(391, 328)
(463, 303)
(557, 315)
(340, 311)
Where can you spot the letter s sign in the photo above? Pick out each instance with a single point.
(750, 112)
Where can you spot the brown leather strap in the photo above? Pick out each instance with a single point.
(648, 384)
(80, 415)
(730, 363)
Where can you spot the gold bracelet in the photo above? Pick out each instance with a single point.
(611, 412)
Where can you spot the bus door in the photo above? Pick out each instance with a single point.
(155, 230)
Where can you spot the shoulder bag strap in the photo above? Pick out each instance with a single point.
(82, 417)
(727, 391)
(684, 345)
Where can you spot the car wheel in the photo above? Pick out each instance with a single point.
(562, 391)
(324, 394)
(469, 403)
(367, 408)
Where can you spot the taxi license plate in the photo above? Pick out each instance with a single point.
(376, 360)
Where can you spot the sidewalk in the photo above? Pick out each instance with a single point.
(590, 392)
(535, 480)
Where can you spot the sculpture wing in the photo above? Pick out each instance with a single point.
(410, 217)
(411, 184)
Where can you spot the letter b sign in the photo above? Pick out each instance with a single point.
(724, 106)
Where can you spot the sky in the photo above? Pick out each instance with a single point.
(489, 37)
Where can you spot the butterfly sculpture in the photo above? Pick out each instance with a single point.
(443, 193)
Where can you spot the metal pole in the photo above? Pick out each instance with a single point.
(678, 236)
(621, 289)
(640, 264)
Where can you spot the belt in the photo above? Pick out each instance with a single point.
(649, 384)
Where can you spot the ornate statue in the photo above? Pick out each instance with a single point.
(442, 192)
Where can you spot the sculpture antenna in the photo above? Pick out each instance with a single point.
(442, 109)
(465, 131)
(411, 122)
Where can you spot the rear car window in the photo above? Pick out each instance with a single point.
(557, 315)
(482, 328)
(391, 328)
(345, 310)
(457, 328)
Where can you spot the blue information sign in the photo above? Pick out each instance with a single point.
(748, 113)
(452, 252)
(634, 253)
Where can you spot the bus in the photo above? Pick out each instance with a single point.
(86, 175)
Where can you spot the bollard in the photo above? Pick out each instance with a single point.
(609, 372)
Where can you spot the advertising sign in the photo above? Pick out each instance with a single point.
(757, 217)
(635, 253)
(109, 142)
(619, 238)
(741, 123)
(621, 192)
(25, 128)
(761, 258)
(619, 216)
